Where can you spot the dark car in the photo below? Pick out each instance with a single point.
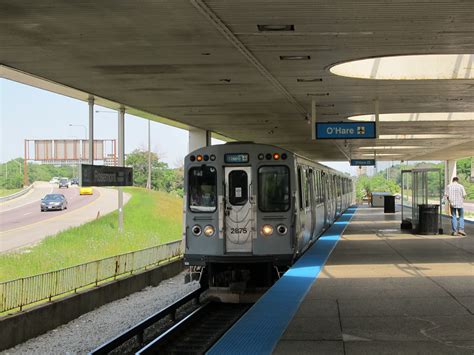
(63, 182)
(53, 202)
(75, 181)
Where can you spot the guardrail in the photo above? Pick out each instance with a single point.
(16, 194)
(29, 290)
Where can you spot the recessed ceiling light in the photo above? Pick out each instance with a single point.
(295, 57)
(317, 94)
(325, 105)
(416, 117)
(270, 28)
(310, 80)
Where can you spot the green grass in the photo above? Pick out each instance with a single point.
(150, 218)
(6, 192)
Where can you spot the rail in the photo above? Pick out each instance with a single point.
(43, 287)
(139, 329)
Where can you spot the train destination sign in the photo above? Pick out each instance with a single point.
(362, 162)
(101, 175)
(345, 130)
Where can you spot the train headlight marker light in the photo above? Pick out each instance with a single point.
(276, 156)
(213, 157)
(267, 230)
(199, 158)
(209, 231)
(282, 229)
(196, 230)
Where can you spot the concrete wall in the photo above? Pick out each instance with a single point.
(18, 328)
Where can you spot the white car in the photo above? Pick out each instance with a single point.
(54, 180)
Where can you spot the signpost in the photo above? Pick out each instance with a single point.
(345, 130)
(362, 162)
(101, 175)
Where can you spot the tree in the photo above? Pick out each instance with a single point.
(163, 178)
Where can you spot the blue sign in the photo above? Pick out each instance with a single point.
(345, 130)
(362, 162)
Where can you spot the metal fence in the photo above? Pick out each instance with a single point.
(29, 290)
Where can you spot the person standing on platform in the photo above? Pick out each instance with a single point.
(455, 194)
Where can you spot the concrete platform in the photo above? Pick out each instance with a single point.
(387, 292)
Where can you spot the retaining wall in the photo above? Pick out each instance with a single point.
(19, 327)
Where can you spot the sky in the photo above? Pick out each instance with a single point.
(30, 113)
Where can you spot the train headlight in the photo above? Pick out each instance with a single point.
(196, 230)
(282, 229)
(267, 230)
(209, 231)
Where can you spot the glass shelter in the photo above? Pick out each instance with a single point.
(422, 193)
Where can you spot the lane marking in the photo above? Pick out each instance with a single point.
(26, 214)
(61, 216)
(25, 204)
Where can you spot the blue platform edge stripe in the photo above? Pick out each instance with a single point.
(260, 329)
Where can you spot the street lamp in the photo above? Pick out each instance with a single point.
(80, 125)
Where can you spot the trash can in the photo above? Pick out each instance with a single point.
(388, 204)
(428, 219)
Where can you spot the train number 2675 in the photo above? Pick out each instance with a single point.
(238, 230)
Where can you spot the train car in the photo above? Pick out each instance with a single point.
(251, 209)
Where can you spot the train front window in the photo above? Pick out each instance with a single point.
(274, 188)
(202, 194)
(238, 187)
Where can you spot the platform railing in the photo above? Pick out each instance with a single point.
(16, 294)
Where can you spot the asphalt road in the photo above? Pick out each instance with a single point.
(22, 224)
(30, 212)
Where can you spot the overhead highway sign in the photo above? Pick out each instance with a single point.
(345, 130)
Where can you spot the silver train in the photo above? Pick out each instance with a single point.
(251, 209)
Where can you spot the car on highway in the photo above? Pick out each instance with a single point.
(53, 202)
(54, 180)
(64, 182)
(75, 181)
(86, 191)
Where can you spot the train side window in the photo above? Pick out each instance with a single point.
(318, 184)
(300, 189)
(307, 191)
(238, 187)
(274, 188)
(202, 194)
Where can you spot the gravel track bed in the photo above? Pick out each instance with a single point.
(96, 327)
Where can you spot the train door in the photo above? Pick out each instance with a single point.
(239, 214)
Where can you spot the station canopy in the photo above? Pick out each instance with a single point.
(249, 70)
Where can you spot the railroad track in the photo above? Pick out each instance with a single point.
(169, 332)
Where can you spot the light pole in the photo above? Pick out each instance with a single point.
(148, 181)
(85, 138)
(80, 125)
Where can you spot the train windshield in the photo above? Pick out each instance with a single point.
(274, 188)
(202, 189)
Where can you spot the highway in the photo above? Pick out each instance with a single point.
(23, 224)
(29, 212)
